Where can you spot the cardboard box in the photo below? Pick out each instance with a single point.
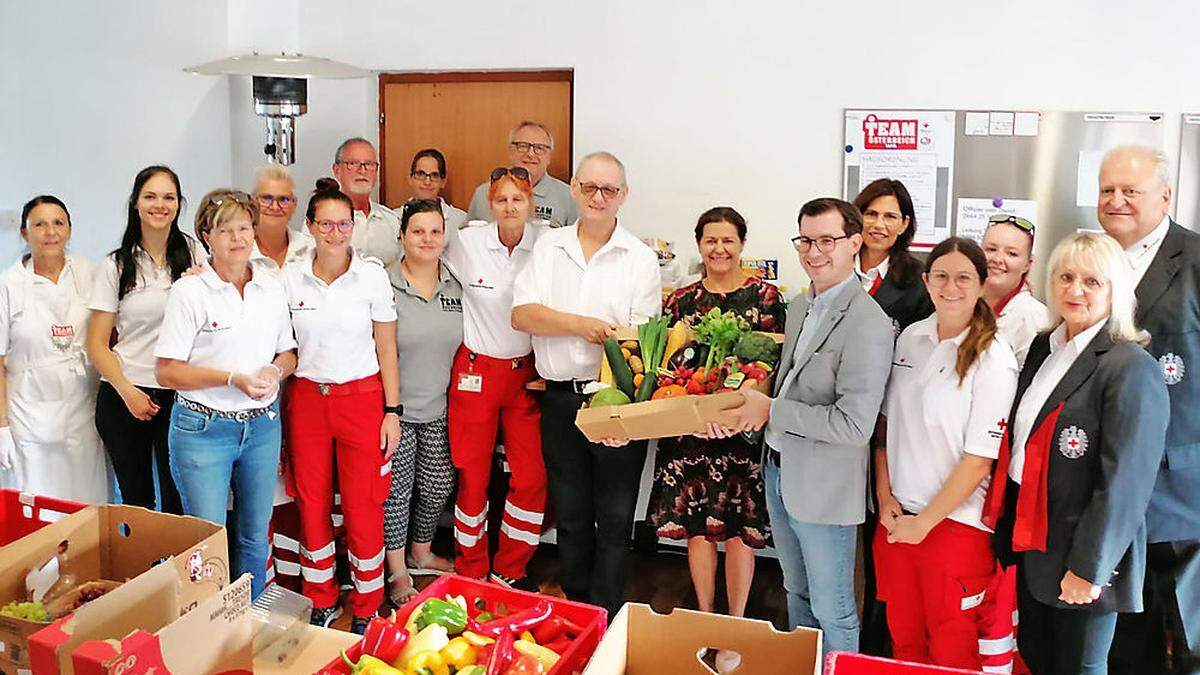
(313, 653)
(116, 543)
(663, 418)
(215, 637)
(640, 641)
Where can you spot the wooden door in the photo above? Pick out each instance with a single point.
(467, 116)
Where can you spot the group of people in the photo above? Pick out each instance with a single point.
(998, 453)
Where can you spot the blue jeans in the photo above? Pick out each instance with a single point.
(818, 570)
(210, 454)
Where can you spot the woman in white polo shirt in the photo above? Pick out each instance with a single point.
(1008, 245)
(225, 344)
(48, 440)
(133, 411)
(951, 387)
(343, 407)
(487, 387)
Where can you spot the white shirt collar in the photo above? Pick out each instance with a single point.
(209, 275)
(1058, 339)
(928, 328)
(526, 243)
(1147, 242)
(875, 272)
(621, 238)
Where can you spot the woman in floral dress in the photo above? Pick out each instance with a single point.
(711, 491)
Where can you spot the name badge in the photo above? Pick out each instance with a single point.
(470, 382)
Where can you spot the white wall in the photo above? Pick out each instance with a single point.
(91, 92)
(707, 102)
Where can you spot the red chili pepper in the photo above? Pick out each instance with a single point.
(502, 654)
(513, 623)
(548, 630)
(384, 640)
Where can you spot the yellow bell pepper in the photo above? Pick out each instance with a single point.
(431, 639)
(369, 665)
(427, 663)
(546, 657)
(460, 653)
(477, 639)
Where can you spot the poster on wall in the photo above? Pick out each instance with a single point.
(915, 147)
(974, 214)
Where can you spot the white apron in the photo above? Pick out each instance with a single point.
(51, 386)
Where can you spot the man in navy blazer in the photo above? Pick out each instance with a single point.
(1135, 194)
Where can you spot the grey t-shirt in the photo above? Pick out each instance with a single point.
(428, 333)
(552, 203)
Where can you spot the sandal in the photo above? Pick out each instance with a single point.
(404, 596)
(422, 568)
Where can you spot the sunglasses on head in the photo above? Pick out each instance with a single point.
(1017, 221)
(518, 172)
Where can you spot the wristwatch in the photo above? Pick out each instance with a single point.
(397, 409)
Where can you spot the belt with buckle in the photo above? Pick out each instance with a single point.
(235, 415)
(366, 385)
(573, 386)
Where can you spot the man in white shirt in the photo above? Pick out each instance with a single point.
(1135, 195)
(529, 145)
(581, 283)
(376, 227)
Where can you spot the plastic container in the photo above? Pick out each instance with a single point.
(592, 619)
(22, 513)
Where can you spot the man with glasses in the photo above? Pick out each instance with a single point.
(276, 244)
(376, 227)
(581, 282)
(828, 391)
(529, 146)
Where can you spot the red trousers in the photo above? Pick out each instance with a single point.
(322, 420)
(502, 404)
(940, 597)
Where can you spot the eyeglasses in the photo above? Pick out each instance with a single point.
(889, 218)
(518, 172)
(326, 226)
(962, 280)
(538, 149)
(1017, 221)
(590, 189)
(355, 166)
(824, 244)
(423, 176)
(283, 201)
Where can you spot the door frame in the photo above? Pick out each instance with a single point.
(436, 77)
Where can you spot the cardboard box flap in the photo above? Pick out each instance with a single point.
(143, 536)
(658, 419)
(668, 643)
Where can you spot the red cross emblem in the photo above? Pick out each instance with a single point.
(1073, 442)
(214, 324)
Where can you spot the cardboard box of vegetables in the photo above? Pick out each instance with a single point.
(658, 381)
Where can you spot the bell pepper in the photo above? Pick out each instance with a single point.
(427, 663)
(502, 655)
(410, 624)
(514, 623)
(544, 656)
(431, 639)
(473, 670)
(460, 653)
(525, 665)
(443, 613)
(369, 665)
(477, 639)
(384, 640)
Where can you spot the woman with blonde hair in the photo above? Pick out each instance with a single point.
(1086, 433)
(225, 345)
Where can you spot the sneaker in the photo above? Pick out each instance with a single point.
(325, 616)
(522, 584)
(358, 624)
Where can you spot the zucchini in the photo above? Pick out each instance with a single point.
(649, 384)
(622, 375)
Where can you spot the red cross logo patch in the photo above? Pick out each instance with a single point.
(1072, 442)
(1172, 367)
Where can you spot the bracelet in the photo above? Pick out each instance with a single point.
(229, 380)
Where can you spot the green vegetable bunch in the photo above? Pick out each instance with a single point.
(720, 332)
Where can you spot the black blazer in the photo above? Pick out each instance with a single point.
(907, 305)
(1169, 307)
(1115, 397)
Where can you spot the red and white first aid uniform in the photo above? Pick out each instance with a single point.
(51, 387)
(334, 406)
(939, 609)
(487, 395)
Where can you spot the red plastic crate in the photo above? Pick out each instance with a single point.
(843, 663)
(22, 513)
(594, 620)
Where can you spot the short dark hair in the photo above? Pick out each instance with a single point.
(414, 206)
(721, 214)
(851, 218)
(430, 152)
(38, 201)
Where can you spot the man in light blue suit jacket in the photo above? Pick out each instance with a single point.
(828, 391)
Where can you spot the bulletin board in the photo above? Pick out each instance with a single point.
(1042, 165)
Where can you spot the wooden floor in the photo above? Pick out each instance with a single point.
(659, 578)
